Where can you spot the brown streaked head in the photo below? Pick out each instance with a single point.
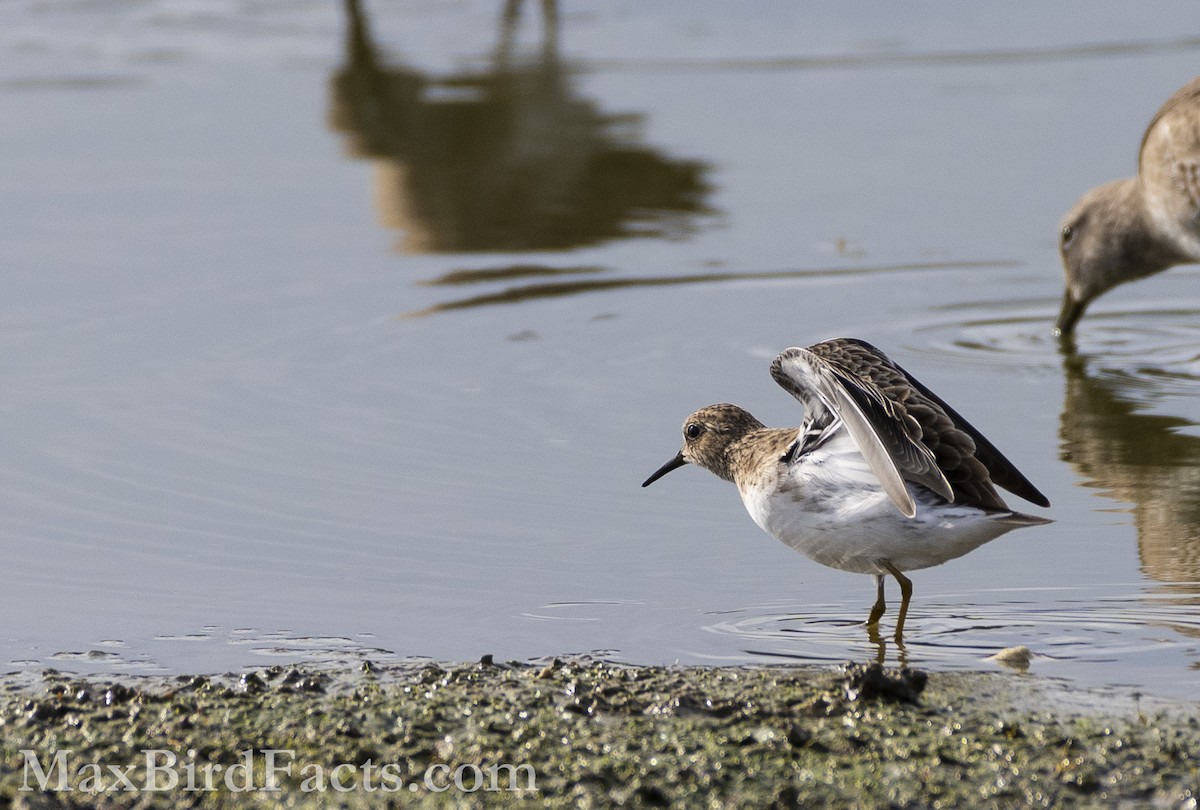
(1107, 239)
(707, 437)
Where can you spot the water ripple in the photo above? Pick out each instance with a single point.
(1064, 628)
(1147, 351)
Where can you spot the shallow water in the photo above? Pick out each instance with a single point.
(325, 342)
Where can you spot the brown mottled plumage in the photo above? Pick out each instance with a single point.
(969, 462)
(882, 477)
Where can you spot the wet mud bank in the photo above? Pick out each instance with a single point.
(581, 732)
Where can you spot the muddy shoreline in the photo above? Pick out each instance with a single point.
(582, 732)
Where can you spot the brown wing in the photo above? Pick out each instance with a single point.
(968, 461)
(888, 438)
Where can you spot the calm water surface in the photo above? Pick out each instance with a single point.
(341, 331)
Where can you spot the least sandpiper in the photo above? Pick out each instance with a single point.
(882, 477)
(1136, 227)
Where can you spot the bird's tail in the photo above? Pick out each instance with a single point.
(1020, 519)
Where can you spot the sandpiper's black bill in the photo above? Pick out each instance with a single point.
(1069, 315)
(673, 464)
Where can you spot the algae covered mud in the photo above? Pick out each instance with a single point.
(587, 733)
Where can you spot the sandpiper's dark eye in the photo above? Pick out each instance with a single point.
(1068, 233)
(693, 431)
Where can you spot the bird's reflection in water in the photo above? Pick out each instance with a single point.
(507, 158)
(1146, 460)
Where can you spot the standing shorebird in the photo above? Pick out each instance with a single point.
(882, 477)
(1136, 227)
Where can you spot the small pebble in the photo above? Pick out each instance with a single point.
(1017, 658)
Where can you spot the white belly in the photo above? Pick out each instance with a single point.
(831, 508)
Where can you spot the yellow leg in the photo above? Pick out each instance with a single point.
(880, 606)
(905, 596)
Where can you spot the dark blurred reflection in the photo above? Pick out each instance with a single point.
(503, 159)
(1143, 459)
(594, 280)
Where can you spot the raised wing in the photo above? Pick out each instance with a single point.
(832, 376)
(904, 431)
